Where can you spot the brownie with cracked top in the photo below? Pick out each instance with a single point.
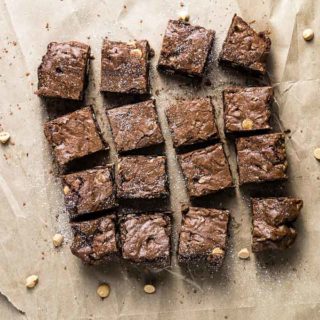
(272, 222)
(245, 48)
(247, 109)
(74, 136)
(185, 49)
(261, 158)
(125, 67)
(89, 191)
(192, 122)
(95, 241)
(142, 177)
(135, 126)
(63, 70)
(205, 170)
(145, 238)
(203, 236)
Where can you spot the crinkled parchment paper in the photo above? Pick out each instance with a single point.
(281, 286)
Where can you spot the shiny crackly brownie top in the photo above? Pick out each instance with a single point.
(185, 48)
(74, 135)
(63, 69)
(244, 47)
(247, 109)
(272, 222)
(192, 121)
(135, 126)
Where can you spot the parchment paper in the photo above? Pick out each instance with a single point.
(281, 286)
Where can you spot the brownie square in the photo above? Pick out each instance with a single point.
(192, 122)
(247, 109)
(272, 222)
(94, 241)
(125, 67)
(261, 158)
(135, 126)
(185, 49)
(245, 48)
(63, 70)
(145, 239)
(74, 135)
(89, 191)
(205, 170)
(203, 236)
(142, 177)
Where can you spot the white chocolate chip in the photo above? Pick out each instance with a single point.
(308, 34)
(32, 281)
(184, 16)
(103, 291)
(136, 53)
(57, 240)
(4, 137)
(149, 288)
(247, 124)
(316, 153)
(217, 251)
(66, 190)
(244, 254)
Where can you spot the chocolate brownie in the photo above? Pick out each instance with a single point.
(203, 236)
(205, 170)
(142, 177)
(145, 238)
(261, 158)
(272, 222)
(185, 48)
(135, 126)
(94, 241)
(245, 48)
(192, 121)
(63, 70)
(124, 67)
(74, 135)
(89, 191)
(247, 109)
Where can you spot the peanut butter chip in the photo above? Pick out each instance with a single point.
(217, 251)
(136, 53)
(316, 153)
(247, 124)
(103, 291)
(244, 254)
(66, 190)
(308, 34)
(32, 281)
(57, 240)
(149, 288)
(4, 137)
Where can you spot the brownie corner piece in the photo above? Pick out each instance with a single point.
(192, 121)
(185, 48)
(206, 170)
(261, 158)
(245, 48)
(125, 67)
(203, 236)
(89, 191)
(146, 238)
(74, 135)
(142, 177)
(95, 241)
(135, 126)
(63, 70)
(247, 109)
(272, 220)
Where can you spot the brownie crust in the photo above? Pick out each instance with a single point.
(94, 241)
(261, 158)
(135, 126)
(185, 49)
(63, 70)
(192, 122)
(272, 223)
(247, 109)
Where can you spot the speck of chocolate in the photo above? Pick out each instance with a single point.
(207, 82)
(157, 92)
